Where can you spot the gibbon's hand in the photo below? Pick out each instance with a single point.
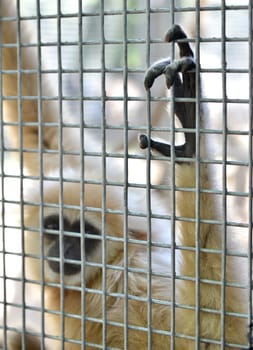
(183, 87)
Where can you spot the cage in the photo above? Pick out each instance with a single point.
(105, 245)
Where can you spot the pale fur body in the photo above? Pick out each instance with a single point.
(210, 237)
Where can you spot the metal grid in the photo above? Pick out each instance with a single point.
(106, 143)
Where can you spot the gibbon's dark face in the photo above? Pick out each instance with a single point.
(62, 235)
(71, 244)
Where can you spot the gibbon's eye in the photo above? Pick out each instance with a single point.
(52, 222)
(91, 243)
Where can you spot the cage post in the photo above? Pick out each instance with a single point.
(125, 180)
(250, 179)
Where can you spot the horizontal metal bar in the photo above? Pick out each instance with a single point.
(119, 42)
(129, 12)
(114, 70)
(130, 98)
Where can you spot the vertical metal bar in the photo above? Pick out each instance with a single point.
(173, 199)
(82, 179)
(21, 159)
(60, 158)
(148, 190)
(2, 199)
(224, 172)
(198, 175)
(125, 93)
(41, 180)
(250, 208)
(103, 160)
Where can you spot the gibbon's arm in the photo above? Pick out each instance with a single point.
(31, 129)
(184, 86)
(210, 235)
(15, 84)
(38, 119)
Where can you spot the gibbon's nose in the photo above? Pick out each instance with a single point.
(71, 248)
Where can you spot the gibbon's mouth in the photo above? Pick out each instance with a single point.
(71, 245)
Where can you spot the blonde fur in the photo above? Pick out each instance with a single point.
(209, 241)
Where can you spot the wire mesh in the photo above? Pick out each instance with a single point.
(94, 250)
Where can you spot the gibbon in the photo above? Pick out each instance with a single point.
(162, 305)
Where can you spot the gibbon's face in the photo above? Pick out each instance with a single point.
(60, 227)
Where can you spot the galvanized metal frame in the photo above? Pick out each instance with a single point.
(250, 157)
(171, 10)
